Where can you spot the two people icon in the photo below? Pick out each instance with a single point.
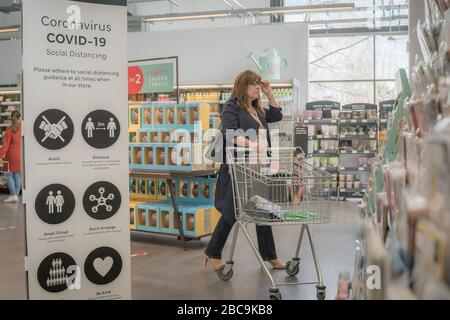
(53, 201)
(90, 127)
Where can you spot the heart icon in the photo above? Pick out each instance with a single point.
(102, 266)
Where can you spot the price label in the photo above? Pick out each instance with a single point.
(321, 151)
(364, 121)
(342, 168)
(353, 121)
(354, 151)
(361, 169)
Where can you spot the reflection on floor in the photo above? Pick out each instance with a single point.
(166, 271)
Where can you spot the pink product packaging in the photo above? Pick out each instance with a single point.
(362, 161)
(317, 114)
(308, 114)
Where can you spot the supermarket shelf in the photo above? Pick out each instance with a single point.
(329, 169)
(205, 101)
(357, 137)
(332, 190)
(5, 113)
(368, 168)
(10, 91)
(10, 103)
(352, 190)
(326, 152)
(351, 193)
(358, 152)
(321, 121)
(324, 137)
(357, 121)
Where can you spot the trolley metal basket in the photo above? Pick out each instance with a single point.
(277, 190)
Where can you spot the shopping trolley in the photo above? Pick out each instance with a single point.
(277, 190)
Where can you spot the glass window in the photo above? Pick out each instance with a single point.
(391, 55)
(343, 92)
(385, 90)
(342, 58)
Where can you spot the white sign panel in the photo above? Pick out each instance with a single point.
(75, 149)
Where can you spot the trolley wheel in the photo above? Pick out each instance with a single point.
(292, 268)
(223, 275)
(321, 292)
(275, 294)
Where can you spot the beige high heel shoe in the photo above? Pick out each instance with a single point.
(277, 264)
(216, 263)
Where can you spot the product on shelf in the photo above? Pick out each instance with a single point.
(359, 114)
(345, 115)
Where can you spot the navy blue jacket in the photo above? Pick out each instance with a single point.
(233, 116)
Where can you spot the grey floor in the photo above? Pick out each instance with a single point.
(161, 269)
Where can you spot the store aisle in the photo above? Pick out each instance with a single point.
(12, 248)
(168, 272)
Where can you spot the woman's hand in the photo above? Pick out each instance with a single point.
(266, 88)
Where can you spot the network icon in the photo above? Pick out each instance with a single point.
(101, 201)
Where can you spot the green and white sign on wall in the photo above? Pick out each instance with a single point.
(151, 78)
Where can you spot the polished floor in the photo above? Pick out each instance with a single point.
(161, 269)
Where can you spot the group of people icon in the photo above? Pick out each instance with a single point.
(53, 201)
(90, 127)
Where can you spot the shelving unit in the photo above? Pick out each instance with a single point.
(322, 121)
(351, 131)
(10, 99)
(287, 95)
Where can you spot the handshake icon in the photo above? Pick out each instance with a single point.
(53, 130)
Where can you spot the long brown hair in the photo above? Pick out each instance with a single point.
(239, 92)
(15, 125)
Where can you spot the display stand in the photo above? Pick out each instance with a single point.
(170, 176)
(390, 149)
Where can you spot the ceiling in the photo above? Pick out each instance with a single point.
(389, 16)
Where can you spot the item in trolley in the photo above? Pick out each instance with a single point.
(264, 208)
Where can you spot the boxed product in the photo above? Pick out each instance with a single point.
(358, 114)
(345, 115)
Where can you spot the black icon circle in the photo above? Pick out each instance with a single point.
(103, 265)
(100, 129)
(57, 272)
(53, 129)
(102, 200)
(54, 204)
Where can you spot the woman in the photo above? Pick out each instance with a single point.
(244, 111)
(10, 152)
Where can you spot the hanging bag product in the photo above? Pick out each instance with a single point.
(214, 151)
